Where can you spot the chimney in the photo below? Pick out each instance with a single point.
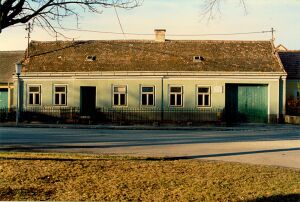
(160, 35)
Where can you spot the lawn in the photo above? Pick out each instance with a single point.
(29, 176)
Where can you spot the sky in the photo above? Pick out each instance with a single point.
(178, 17)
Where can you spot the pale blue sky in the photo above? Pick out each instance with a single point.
(180, 17)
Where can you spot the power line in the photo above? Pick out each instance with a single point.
(119, 21)
(148, 34)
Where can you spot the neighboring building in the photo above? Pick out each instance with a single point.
(243, 77)
(281, 47)
(7, 69)
(291, 63)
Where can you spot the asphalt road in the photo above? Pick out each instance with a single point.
(263, 144)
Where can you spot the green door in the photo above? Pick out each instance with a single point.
(3, 98)
(247, 103)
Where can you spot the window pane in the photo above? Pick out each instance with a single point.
(31, 99)
(34, 89)
(63, 99)
(144, 99)
(147, 89)
(172, 99)
(122, 99)
(200, 100)
(60, 89)
(203, 90)
(37, 99)
(175, 89)
(57, 99)
(206, 100)
(120, 89)
(151, 99)
(179, 100)
(116, 99)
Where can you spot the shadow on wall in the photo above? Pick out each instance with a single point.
(277, 198)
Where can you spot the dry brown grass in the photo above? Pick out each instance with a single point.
(26, 176)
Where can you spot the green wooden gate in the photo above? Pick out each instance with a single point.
(247, 103)
(3, 98)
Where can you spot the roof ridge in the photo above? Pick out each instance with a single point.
(289, 51)
(153, 41)
(13, 51)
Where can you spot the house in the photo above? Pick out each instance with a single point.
(291, 62)
(7, 69)
(245, 78)
(281, 47)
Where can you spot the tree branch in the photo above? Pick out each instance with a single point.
(50, 11)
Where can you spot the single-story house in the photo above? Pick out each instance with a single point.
(240, 77)
(291, 62)
(7, 69)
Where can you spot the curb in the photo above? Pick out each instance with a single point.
(241, 127)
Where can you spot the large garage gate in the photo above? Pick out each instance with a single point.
(246, 103)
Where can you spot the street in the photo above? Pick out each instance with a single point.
(265, 144)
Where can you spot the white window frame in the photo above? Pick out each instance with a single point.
(34, 93)
(147, 95)
(203, 98)
(60, 93)
(119, 97)
(176, 93)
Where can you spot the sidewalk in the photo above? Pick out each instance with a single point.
(222, 127)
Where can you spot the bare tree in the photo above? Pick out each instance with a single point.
(212, 7)
(48, 12)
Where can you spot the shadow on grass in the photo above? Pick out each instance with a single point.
(241, 153)
(47, 148)
(278, 198)
(9, 194)
(101, 158)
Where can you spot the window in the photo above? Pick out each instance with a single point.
(198, 58)
(203, 96)
(176, 99)
(34, 95)
(119, 94)
(60, 95)
(90, 58)
(148, 96)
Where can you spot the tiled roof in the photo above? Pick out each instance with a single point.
(68, 56)
(291, 63)
(7, 64)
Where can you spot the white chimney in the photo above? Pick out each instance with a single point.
(160, 35)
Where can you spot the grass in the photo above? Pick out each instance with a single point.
(31, 176)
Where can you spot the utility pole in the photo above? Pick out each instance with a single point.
(29, 30)
(273, 31)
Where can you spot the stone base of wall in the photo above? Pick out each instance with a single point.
(292, 119)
